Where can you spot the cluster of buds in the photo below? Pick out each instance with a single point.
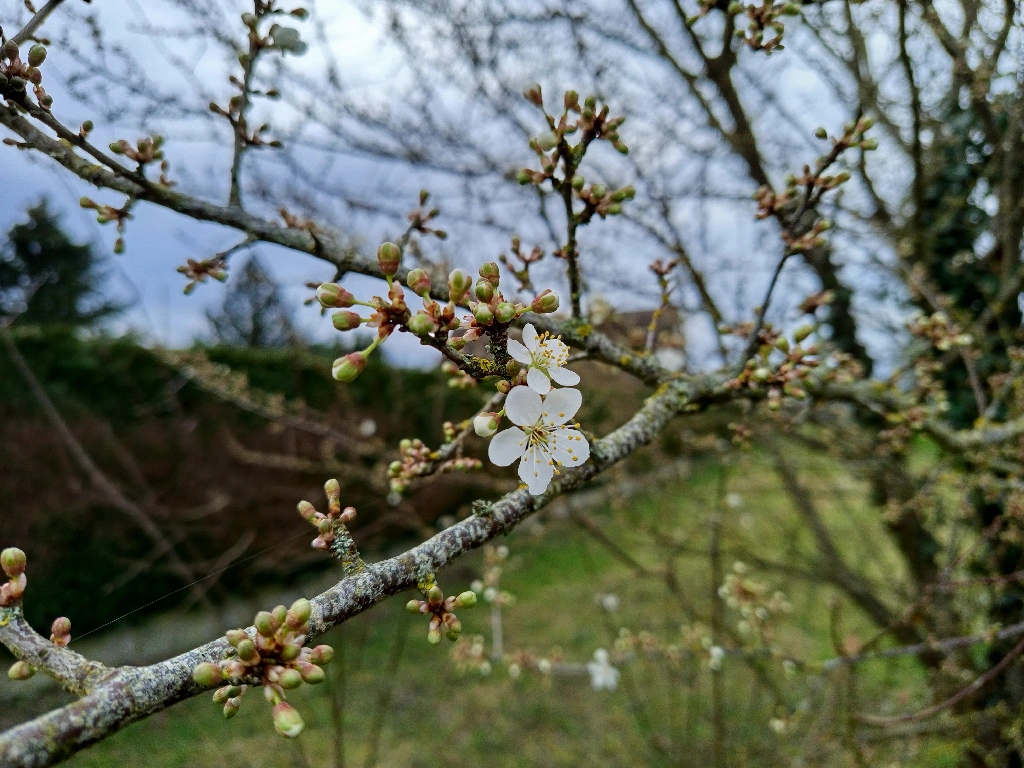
(274, 658)
(940, 331)
(13, 562)
(741, 435)
(416, 459)
(108, 213)
(419, 218)
(755, 602)
(593, 124)
(16, 73)
(198, 271)
(491, 312)
(767, 17)
(334, 536)
(472, 656)
(457, 378)
(146, 150)
(488, 586)
(521, 268)
(443, 622)
(787, 376)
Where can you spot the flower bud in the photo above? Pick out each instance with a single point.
(802, 333)
(485, 424)
(332, 295)
(413, 606)
(299, 613)
(505, 312)
(466, 599)
(13, 561)
(231, 707)
(820, 133)
(223, 694)
(348, 367)
(422, 323)
(60, 630)
(10, 51)
(578, 182)
(524, 177)
(434, 636)
(484, 290)
(306, 510)
(290, 652)
(287, 720)
(418, 281)
(490, 273)
(346, 321)
(762, 374)
(311, 673)
(544, 303)
(20, 670)
(459, 282)
(533, 95)
(454, 630)
(265, 623)
(782, 344)
(483, 314)
(435, 595)
(235, 636)
(322, 654)
(247, 650)
(207, 675)
(290, 678)
(547, 141)
(389, 259)
(36, 55)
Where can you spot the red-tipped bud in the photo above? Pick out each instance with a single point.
(13, 561)
(60, 631)
(307, 510)
(322, 654)
(311, 673)
(346, 321)
(290, 678)
(389, 259)
(418, 281)
(333, 296)
(21, 670)
(299, 613)
(231, 707)
(348, 367)
(546, 302)
(207, 675)
(287, 720)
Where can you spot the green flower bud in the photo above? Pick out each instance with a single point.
(321, 655)
(13, 561)
(348, 367)
(484, 290)
(287, 720)
(332, 295)
(299, 613)
(524, 177)
(418, 281)
(280, 614)
(413, 606)
(572, 99)
(454, 630)
(483, 314)
(547, 141)
(490, 273)
(782, 344)
(434, 636)
(20, 670)
(312, 674)
(820, 133)
(290, 652)
(459, 283)
(598, 191)
(389, 259)
(235, 636)
(435, 595)
(116, 148)
(10, 50)
(803, 332)
(545, 303)
(762, 374)
(290, 679)
(505, 312)
(466, 599)
(265, 623)
(207, 675)
(422, 323)
(231, 707)
(578, 182)
(346, 321)
(36, 55)
(247, 650)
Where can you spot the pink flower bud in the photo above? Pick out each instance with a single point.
(60, 631)
(332, 295)
(346, 321)
(322, 654)
(546, 302)
(287, 720)
(418, 281)
(389, 259)
(299, 613)
(231, 707)
(311, 673)
(13, 561)
(348, 367)
(307, 510)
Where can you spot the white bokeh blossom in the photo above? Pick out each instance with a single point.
(546, 357)
(603, 676)
(541, 441)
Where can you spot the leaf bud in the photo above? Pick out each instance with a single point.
(389, 259)
(459, 283)
(545, 303)
(418, 281)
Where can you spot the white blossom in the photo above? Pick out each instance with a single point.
(546, 357)
(544, 441)
(715, 657)
(603, 676)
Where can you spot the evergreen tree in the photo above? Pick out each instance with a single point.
(40, 259)
(254, 313)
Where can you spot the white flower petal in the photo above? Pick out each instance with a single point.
(506, 446)
(537, 381)
(536, 470)
(561, 405)
(530, 337)
(518, 352)
(523, 406)
(570, 447)
(563, 376)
